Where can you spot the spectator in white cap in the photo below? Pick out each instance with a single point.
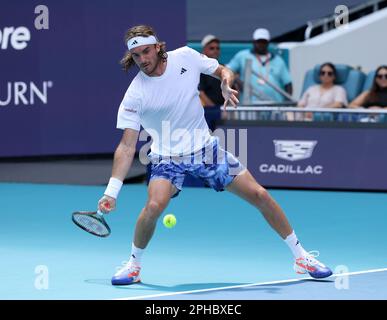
(261, 41)
(211, 46)
(269, 65)
(209, 87)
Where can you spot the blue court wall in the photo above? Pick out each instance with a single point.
(60, 90)
(325, 156)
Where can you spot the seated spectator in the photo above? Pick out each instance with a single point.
(327, 94)
(268, 65)
(209, 87)
(376, 97)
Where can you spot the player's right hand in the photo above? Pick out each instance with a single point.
(107, 204)
(229, 95)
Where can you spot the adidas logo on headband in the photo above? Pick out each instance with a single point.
(141, 41)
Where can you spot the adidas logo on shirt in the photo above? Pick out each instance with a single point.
(183, 70)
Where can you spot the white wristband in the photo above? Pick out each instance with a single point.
(113, 188)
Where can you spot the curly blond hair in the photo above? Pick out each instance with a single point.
(143, 31)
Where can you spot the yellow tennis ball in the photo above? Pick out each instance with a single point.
(169, 221)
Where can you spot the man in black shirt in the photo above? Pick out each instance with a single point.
(209, 87)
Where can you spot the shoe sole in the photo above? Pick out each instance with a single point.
(321, 276)
(116, 283)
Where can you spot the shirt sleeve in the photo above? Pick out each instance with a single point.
(341, 95)
(235, 63)
(205, 65)
(128, 113)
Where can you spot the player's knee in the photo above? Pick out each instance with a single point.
(154, 208)
(260, 194)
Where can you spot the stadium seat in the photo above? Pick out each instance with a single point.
(368, 80)
(351, 79)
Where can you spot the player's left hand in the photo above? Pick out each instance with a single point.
(228, 94)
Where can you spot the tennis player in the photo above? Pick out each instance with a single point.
(164, 99)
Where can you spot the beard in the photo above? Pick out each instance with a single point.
(149, 69)
(261, 50)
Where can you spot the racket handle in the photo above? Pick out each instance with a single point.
(99, 212)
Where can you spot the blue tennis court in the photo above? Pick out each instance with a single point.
(221, 247)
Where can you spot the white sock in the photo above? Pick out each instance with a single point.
(136, 255)
(295, 245)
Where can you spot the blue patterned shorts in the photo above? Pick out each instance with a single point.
(212, 164)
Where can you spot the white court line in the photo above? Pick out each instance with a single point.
(247, 285)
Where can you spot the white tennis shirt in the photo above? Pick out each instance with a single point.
(168, 107)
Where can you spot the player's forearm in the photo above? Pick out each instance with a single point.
(123, 159)
(228, 75)
(224, 73)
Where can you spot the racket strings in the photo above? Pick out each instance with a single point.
(91, 224)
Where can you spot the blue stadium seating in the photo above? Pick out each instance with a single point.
(368, 81)
(351, 79)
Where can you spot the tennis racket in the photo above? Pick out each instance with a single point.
(92, 222)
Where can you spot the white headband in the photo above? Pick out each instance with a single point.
(140, 41)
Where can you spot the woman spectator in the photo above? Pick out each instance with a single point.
(376, 97)
(326, 94)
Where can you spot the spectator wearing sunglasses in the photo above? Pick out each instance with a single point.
(326, 94)
(209, 87)
(376, 97)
